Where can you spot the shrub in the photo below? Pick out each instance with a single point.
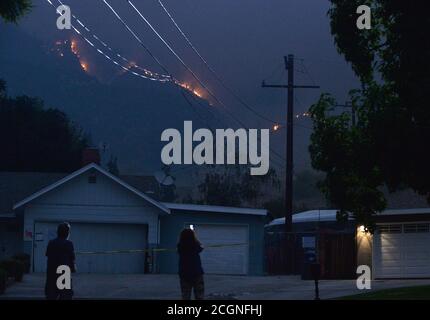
(24, 258)
(7, 266)
(13, 268)
(3, 279)
(19, 270)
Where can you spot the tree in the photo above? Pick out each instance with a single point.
(345, 154)
(168, 191)
(36, 139)
(112, 165)
(13, 10)
(221, 187)
(387, 146)
(234, 186)
(275, 207)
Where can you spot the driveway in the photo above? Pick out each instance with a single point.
(162, 286)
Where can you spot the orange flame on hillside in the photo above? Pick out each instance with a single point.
(188, 87)
(84, 66)
(74, 48)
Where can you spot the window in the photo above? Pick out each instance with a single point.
(390, 228)
(416, 228)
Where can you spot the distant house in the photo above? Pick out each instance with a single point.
(112, 216)
(399, 247)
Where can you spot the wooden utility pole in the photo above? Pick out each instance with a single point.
(289, 65)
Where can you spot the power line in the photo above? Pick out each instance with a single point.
(147, 72)
(189, 103)
(160, 64)
(290, 86)
(137, 38)
(176, 55)
(99, 51)
(220, 80)
(165, 42)
(170, 77)
(149, 51)
(184, 92)
(175, 81)
(191, 71)
(199, 102)
(215, 116)
(306, 71)
(173, 52)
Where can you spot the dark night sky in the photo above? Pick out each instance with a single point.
(243, 40)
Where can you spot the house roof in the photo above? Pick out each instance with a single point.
(20, 188)
(330, 215)
(146, 184)
(217, 209)
(309, 216)
(392, 212)
(64, 179)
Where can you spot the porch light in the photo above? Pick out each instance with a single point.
(363, 229)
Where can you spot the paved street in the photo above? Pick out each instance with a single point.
(97, 286)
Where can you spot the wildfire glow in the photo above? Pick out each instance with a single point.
(74, 48)
(198, 94)
(84, 66)
(188, 87)
(130, 65)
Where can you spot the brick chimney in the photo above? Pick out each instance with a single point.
(90, 155)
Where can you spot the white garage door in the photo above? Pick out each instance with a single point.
(224, 259)
(402, 251)
(96, 237)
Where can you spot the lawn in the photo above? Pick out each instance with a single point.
(407, 293)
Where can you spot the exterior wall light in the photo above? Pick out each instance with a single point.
(363, 229)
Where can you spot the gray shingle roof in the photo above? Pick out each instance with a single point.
(16, 186)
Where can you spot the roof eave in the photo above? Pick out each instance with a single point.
(81, 171)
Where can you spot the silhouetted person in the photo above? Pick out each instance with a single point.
(190, 265)
(59, 252)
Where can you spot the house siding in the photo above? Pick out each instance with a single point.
(102, 202)
(171, 226)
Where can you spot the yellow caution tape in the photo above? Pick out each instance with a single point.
(156, 249)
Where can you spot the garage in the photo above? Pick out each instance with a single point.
(96, 237)
(108, 214)
(401, 250)
(226, 248)
(233, 238)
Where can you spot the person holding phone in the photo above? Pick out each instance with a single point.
(190, 265)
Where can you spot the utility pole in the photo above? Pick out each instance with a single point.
(290, 86)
